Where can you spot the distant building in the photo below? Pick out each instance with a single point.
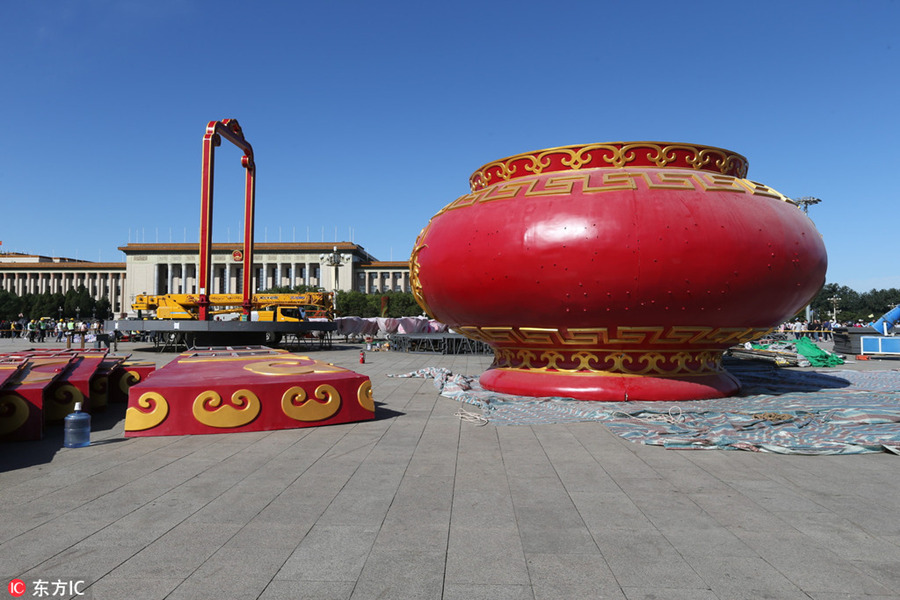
(174, 268)
(22, 274)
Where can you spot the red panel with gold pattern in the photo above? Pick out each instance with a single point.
(222, 390)
(23, 396)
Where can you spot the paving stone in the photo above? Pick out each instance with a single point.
(330, 553)
(418, 504)
(308, 590)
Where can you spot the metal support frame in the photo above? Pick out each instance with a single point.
(231, 131)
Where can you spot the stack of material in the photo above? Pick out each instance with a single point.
(799, 353)
(780, 354)
(38, 387)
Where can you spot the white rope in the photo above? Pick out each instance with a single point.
(470, 417)
(675, 416)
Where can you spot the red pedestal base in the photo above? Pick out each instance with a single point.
(609, 388)
(248, 389)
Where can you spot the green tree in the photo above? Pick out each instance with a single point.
(402, 304)
(852, 305)
(10, 305)
(353, 304)
(358, 304)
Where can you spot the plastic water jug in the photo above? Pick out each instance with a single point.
(77, 426)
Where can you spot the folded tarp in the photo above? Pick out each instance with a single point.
(782, 411)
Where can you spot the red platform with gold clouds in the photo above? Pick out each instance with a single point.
(221, 390)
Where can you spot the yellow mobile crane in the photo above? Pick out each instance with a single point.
(190, 319)
(285, 308)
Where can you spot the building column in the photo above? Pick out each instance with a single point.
(113, 295)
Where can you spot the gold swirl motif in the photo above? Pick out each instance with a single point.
(527, 357)
(98, 392)
(414, 283)
(128, 379)
(139, 420)
(14, 413)
(365, 397)
(615, 363)
(296, 405)
(209, 410)
(291, 366)
(616, 154)
(64, 398)
(618, 360)
(584, 360)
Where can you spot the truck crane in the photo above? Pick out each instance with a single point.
(263, 307)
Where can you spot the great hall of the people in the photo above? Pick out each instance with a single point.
(173, 268)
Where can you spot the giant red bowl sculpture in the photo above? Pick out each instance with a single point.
(616, 271)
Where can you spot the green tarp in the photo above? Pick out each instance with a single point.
(815, 355)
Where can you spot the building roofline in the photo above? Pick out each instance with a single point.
(385, 264)
(65, 266)
(258, 247)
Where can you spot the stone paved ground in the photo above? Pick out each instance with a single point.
(419, 504)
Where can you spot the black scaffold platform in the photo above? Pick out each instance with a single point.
(437, 343)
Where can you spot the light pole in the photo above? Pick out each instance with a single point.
(335, 259)
(806, 201)
(834, 302)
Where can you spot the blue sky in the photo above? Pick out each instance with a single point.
(367, 117)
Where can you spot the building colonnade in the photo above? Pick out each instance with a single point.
(41, 279)
(174, 269)
(227, 278)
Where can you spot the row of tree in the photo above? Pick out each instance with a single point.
(77, 303)
(850, 304)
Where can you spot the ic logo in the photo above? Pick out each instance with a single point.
(16, 588)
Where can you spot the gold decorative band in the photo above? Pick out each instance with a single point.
(616, 363)
(598, 182)
(581, 338)
(611, 155)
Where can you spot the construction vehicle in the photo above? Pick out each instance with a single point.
(196, 320)
(289, 308)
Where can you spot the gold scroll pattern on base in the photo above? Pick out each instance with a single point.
(300, 365)
(365, 397)
(209, 409)
(156, 409)
(63, 402)
(296, 405)
(129, 379)
(99, 397)
(13, 413)
(619, 362)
